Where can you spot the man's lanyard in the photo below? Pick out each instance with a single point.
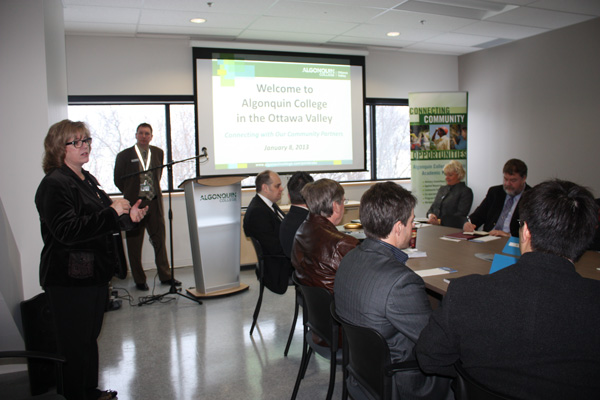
(146, 165)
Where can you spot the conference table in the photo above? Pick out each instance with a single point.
(461, 256)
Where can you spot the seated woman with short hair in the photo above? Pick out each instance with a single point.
(453, 201)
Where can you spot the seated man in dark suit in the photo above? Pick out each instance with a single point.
(261, 221)
(298, 211)
(318, 246)
(375, 288)
(498, 212)
(530, 330)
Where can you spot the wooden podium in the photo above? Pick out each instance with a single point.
(213, 209)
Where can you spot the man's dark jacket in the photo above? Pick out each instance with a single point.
(261, 223)
(528, 331)
(489, 210)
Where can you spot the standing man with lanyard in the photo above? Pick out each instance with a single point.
(145, 186)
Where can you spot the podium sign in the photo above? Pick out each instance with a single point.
(214, 220)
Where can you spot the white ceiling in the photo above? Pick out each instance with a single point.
(452, 27)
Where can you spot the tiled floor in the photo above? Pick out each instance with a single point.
(182, 350)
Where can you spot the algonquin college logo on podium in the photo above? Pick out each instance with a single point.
(224, 197)
(438, 134)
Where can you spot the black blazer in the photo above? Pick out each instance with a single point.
(290, 224)
(528, 331)
(77, 226)
(489, 210)
(261, 223)
(452, 204)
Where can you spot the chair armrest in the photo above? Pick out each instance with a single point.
(410, 365)
(32, 354)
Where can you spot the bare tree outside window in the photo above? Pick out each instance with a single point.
(393, 142)
(183, 142)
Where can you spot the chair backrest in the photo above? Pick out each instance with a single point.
(368, 357)
(316, 311)
(465, 388)
(260, 256)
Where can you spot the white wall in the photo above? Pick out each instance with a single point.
(538, 100)
(32, 97)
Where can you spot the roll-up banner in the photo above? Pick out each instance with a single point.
(438, 134)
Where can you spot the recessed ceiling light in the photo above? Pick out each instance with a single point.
(198, 20)
(393, 34)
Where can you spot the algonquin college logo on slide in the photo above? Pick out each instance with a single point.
(220, 197)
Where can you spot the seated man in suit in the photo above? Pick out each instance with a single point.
(261, 221)
(530, 330)
(298, 211)
(375, 288)
(498, 212)
(318, 246)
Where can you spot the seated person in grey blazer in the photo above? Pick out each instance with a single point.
(453, 201)
(530, 330)
(374, 287)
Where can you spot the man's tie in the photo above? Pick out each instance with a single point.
(505, 211)
(278, 211)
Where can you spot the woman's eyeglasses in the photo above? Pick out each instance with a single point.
(78, 143)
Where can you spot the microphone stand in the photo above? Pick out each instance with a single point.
(173, 289)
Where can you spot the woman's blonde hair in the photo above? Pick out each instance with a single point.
(54, 143)
(457, 168)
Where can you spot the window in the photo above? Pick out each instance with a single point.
(113, 122)
(113, 128)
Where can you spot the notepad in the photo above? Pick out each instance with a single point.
(484, 239)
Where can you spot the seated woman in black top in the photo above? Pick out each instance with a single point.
(453, 201)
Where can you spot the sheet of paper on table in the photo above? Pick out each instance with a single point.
(485, 239)
(415, 253)
(435, 271)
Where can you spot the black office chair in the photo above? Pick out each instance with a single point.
(299, 303)
(368, 366)
(39, 335)
(57, 360)
(319, 321)
(260, 272)
(465, 388)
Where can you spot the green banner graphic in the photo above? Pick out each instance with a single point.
(438, 134)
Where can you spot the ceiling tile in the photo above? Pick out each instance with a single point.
(301, 25)
(539, 18)
(182, 18)
(440, 49)
(253, 7)
(588, 7)
(459, 39)
(329, 12)
(252, 34)
(499, 30)
(407, 20)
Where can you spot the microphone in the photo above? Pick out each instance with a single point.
(204, 152)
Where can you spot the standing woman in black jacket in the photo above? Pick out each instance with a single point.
(78, 223)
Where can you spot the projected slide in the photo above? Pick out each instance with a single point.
(281, 115)
(299, 118)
